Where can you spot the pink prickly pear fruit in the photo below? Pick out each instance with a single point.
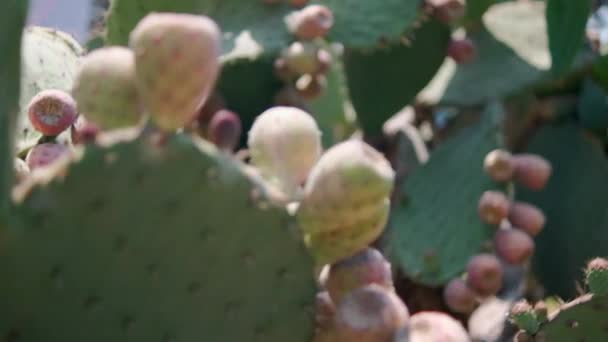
(325, 310)
(448, 11)
(459, 297)
(44, 154)
(302, 58)
(310, 87)
(369, 314)
(532, 171)
(596, 276)
(493, 207)
(364, 268)
(83, 131)
(346, 201)
(462, 51)
(176, 65)
(499, 165)
(513, 246)
(284, 144)
(484, 274)
(311, 22)
(431, 326)
(52, 111)
(225, 130)
(105, 89)
(527, 218)
(21, 170)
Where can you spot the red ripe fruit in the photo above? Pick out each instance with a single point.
(513, 246)
(462, 51)
(52, 111)
(447, 11)
(484, 274)
(45, 154)
(527, 218)
(532, 171)
(493, 207)
(459, 297)
(311, 22)
(225, 130)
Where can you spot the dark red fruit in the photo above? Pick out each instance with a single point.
(493, 207)
(513, 246)
(462, 51)
(311, 22)
(52, 111)
(225, 130)
(532, 171)
(484, 274)
(447, 11)
(499, 165)
(459, 297)
(527, 217)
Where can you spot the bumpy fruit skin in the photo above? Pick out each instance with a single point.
(498, 164)
(493, 207)
(284, 144)
(459, 297)
(21, 170)
(225, 130)
(176, 65)
(45, 154)
(302, 58)
(462, 51)
(364, 268)
(346, 201)
(484, 274)
(524, 317)
(105, 89)
(370, 314)
(527, 218)
(311, 22)
(532, 171)
(430, 326)
(597, 276)
(52, 111)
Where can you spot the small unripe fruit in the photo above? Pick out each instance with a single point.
(493, 207)
(21, 170)
(302, 58)
(52, 111)
(484, 274)
(430, 326)
(225, 130)
(527, 218)
(448, 11)
(597, 276)
(311, 22)
(311, 87)
(513, 246)
(498, 164)
(462, 51)
(532, 171)
(45, 154)
(83, 131)
(524, 317)
(459, 297)
(364, 268)
(370, 314)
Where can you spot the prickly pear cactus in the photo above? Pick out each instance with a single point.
(580, 320)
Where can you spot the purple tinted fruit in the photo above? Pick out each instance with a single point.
(513, 246)
(459, 297)
(462, 51)
(45, 154)
(532, 171)
(448, 11)
(311, 22)
(484, 274)
(431, 326)
(52, 111)
(493, 207)
(225, 130)
(527, 218)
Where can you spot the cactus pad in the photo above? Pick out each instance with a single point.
(583, 319)
(153, 243)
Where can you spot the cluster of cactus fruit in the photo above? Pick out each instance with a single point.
(213, 171)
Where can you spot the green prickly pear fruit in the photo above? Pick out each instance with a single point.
(513, 246)
(225, 130)
(459, 297)
(21, 170)
(44, 154)
(498, 164)
(302, 58)
(462, 51)
(105, 89)
(52, 111)
(364, 268)
(524, 317)
(532, 171)
(597, 276)
(493, 207)
(484, 274)
(346, 201)
(527, 218)
(176, 65)
(310, 87)
(370, 314)
(311, 22)
(431, 326)
(284, 144)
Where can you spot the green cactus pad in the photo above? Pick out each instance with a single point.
(579, 217)
(398, 74)
(141, 242)
(593, 107)
(435, 229)
(50, 60)
(583, 319)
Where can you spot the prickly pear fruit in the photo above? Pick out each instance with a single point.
(310, 87)
(324, 310)
(225, 130)
(532, 171)
(83, 131)
(311, 22)
(524, 317)
(459, 297)
(370, 314)
(45, 154)
(302, 58)
(527, 218)
(597, 276)
(176, 65)
(498, 164)
(462, 51)
(346, 201)
(284, 144)
(513, 246)
(52, 111)
(21, 170)
(447, 11)
(431, 326)
(493, 207)
(484, 274)
(364, 268)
